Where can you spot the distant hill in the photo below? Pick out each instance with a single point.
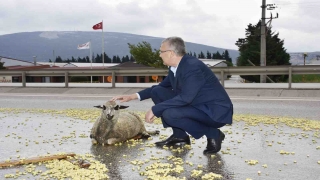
(25, 45)
(298, 59)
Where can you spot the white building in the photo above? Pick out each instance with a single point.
(216, 63)
(14, 62)
(314, 62)
(73, 64)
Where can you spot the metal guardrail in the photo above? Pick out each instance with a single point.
(242, 70)
(268, 70)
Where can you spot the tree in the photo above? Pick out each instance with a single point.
(2, 65)
(86, 59)
(114, 59)
(107, 59)
(227, 57)
(73, 59)
(125, 59)
(304, 58)
(132, 59)
(209, 55)
(201, 55)
(249, 48)
(118, 60)
(216, 55)
(98, 59)
(143, 54)
(58, 59)
(194, 54)
(79, 60)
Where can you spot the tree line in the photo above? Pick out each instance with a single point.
(96, 59)
(150, 60)
(225, 56)
(144, 54)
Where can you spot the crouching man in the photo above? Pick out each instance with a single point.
(189, 100)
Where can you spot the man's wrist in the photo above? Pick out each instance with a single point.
(136, 96)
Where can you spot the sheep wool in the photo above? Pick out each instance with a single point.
(114, 126)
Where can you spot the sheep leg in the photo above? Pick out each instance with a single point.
(156, 132)
(94, 141)
(114, 140)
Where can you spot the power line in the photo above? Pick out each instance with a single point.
(317, 2)
(295, 6)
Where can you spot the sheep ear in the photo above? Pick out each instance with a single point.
(123, 107)
(101, 107)
(120, 107)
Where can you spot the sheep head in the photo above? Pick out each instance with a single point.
(110, 109)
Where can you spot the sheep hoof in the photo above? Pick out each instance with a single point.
(94, 142)
(145, 135)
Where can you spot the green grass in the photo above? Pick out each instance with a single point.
(306, 78)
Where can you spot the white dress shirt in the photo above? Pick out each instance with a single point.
(173, 69)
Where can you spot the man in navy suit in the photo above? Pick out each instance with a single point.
(190, 100)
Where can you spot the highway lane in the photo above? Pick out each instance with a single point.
(274, 106)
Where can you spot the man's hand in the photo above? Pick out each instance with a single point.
(125, 98)
(149, 116)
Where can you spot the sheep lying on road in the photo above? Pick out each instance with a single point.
(114, 126)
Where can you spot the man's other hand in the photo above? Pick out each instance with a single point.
(149, 116)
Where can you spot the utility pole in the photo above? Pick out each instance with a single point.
(263, 41)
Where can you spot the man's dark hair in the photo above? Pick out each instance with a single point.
(176, 44)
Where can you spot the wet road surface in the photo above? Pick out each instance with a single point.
(33, 126)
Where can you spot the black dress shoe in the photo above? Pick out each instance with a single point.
(173, 140)
(214, 145)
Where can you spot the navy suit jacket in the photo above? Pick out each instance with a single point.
(194, 85)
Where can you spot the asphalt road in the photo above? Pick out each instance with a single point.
(262, 151)
(273, 106)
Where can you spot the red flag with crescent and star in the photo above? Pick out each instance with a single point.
(98, 26)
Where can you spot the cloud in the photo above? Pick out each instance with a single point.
(24, 15)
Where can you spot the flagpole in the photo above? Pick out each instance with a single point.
(102, 45)
(102, 50)
(54, 59)
(90, 56)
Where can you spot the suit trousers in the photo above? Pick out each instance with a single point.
(186, 119)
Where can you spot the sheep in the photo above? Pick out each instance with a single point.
(114, 126)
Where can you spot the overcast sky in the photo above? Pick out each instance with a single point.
(216, 23)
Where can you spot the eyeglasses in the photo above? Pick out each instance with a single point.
(164, 51)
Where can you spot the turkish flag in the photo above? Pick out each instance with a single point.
(98, 26)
